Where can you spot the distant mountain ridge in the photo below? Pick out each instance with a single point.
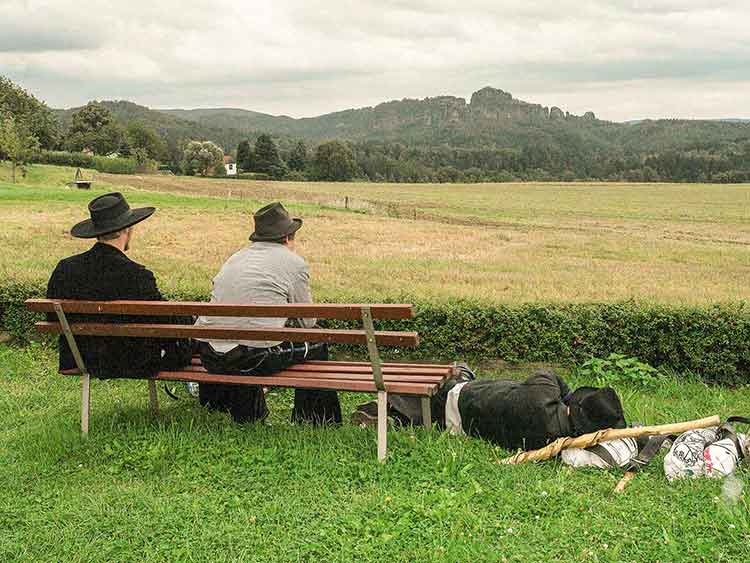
(491, 118)
(719, 119)
(388, 119)
(491, 136)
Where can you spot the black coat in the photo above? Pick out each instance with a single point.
(104, 273)
(516, 414)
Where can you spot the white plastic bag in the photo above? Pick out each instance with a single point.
(700, 453)
(722, 457)
(621, 451)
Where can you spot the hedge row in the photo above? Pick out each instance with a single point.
(116, 165)
(712, 341)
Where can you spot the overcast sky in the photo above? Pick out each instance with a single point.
(622, 59)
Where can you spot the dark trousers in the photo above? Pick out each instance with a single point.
(247, 403)
(407, 410)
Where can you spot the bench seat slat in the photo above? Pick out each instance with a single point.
(367, 370)
(405, 388)
(413, 378)
(339, 311)
(389, 364)
(145, 330)
(332, 364)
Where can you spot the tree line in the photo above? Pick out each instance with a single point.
(330, 160)
(394, 162)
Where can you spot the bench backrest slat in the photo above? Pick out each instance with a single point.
(336, 311)
(141, 330)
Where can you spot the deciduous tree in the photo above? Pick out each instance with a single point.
(94, 128)
(141, 136)
(36, 117)
(17, 143)
(334, 161)
(201, 157)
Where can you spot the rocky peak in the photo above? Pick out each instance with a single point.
(493, 104)
(556, 113)
(488, 107)
(489, 95)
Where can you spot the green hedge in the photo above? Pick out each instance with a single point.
(64, 158)
(713, 341)
(116, 165)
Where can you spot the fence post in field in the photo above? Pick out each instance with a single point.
(346, 202)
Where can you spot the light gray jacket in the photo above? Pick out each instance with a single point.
(261, 273)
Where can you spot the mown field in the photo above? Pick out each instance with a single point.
(192, 486)
(509, 243)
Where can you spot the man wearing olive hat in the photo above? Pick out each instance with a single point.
(104, 273)
(267, 271)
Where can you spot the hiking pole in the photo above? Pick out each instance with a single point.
(593, 438)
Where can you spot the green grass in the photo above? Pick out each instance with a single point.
(191, 486)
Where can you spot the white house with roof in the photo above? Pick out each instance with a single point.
(230, 165)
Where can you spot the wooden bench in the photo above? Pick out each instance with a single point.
(80, 182)
(420, 380)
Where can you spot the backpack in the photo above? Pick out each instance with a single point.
(713, 452)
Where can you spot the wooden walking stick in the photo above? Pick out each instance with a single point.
(644, 457)
(588, 440)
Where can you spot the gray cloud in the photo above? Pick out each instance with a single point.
(25, 41)
(622, 58)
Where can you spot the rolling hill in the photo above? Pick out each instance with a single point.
(491, 118)
(491, 136)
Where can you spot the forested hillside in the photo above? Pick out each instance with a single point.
(491, 137)
(172, 129)
(497, 137)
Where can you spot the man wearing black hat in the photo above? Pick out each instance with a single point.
(513, 414)
(105, 273)
(268, 271)
(529, 414)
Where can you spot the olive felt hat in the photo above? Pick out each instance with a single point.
(273, 222)
(109, 213)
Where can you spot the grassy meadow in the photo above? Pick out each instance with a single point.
(671, 243)
(192, 486)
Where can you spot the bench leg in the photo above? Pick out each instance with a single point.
(85, 402)
(426, 413)
(382, 425)
(153, 398)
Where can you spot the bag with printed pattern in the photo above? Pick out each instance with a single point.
(709, 452)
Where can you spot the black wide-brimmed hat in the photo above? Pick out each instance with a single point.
(273, 222)
(593, 408)
(109, 213)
